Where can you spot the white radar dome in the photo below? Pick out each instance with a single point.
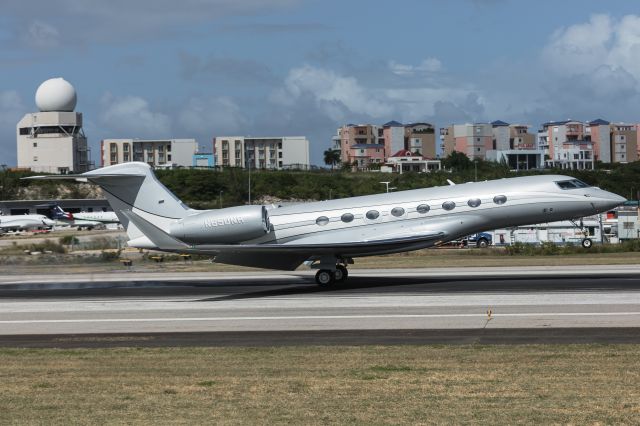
(56, 94)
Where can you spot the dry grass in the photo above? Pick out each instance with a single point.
(577, 384)
(419, 259)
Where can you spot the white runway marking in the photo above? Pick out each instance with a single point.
(312, 317)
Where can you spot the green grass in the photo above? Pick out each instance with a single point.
(535, 384)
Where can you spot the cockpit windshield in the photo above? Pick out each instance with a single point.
(572, 184)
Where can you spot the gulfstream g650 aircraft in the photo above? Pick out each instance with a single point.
(329, 234)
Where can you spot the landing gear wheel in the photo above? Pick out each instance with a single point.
(587, 243)
(325, 277)
(341, 273)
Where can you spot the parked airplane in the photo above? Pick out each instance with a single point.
(24, 222)
(329, 234)
(87, 220)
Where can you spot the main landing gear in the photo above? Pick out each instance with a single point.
(327, 276)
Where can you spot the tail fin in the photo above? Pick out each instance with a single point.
(54, 211)
(134, 187)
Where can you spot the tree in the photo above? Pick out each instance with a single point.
(331, 157)
(457, 161)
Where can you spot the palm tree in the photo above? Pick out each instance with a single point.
(331, 157)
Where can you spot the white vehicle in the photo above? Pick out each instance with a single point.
(24, 222)
(330, 234)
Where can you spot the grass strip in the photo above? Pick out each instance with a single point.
(578, 384)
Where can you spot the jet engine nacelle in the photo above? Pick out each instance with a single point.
(224, 226)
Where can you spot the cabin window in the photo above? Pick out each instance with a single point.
(397, 211)
(346, 218)
(422, 208)
(448, 205)
(322, 220)
(474, 202)
(500, 199)
(571, 184)
(373, 214)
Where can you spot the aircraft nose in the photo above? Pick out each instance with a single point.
(608, 200)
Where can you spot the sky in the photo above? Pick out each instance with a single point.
(205, 68)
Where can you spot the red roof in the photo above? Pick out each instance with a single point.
(406, 153)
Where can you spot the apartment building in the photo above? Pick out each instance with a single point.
(496, 141)
(573, 143)
(367, 144)
(273, 153)
(569, 145)
(474, 140)
(624, 142)
(421, 139)
(158, 153)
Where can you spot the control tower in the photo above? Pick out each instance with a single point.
(52, 140)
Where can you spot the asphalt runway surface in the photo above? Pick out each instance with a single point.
(486, 306)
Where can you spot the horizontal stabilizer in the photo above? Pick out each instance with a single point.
(157, 236)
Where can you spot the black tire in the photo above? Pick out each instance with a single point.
(341, 273)
(325, 278)
(482, 243)
(587, 243)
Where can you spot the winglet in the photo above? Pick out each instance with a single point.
(452, 183)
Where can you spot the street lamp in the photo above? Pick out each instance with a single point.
(387, 185)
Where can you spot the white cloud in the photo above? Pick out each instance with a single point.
(600, 46)
(335, 94)
(429, 65)
(41, 35)
(131, 116)
(212, 116)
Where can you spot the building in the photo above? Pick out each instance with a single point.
(17, 207)
(204, 159)
(515, 146)
(420, 139)
(158, 153)
(497, 141)
(474, 140)
(274, 153)
(406, 161)
(368, 144)
(52, 140)
(573, 144)
(624, 142)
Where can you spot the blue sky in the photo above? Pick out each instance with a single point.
(198, 68)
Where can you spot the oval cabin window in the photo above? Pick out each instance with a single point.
(422, 208)
(373, 214)
(448, 205)
(474, 202)
(346, 218)
(397, 211)
(322, 220)
(500, 199)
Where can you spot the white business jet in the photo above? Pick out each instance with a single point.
(330, 234)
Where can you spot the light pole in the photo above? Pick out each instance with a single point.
(475, 170)
(220, 198)
(249, 182)
(387, 185)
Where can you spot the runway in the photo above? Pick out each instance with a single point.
(476, 305)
